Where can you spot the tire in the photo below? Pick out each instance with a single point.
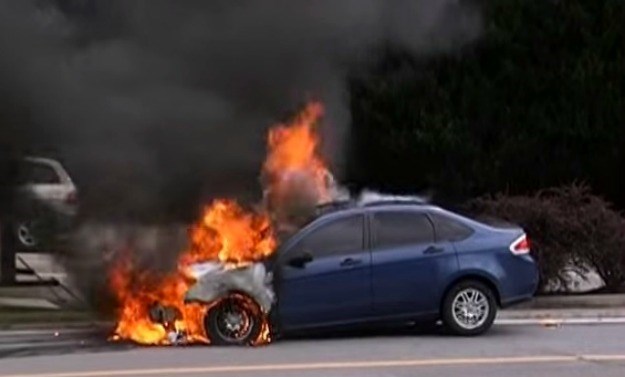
(26, 237)
(223, 320)
(477, 318)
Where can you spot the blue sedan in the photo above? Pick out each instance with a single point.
(399, 262)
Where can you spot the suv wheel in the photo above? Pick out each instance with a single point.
(24, 231)
(469, 308)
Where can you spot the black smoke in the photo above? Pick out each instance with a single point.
(155, 105)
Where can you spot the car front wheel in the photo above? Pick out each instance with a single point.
(235, 320)
(469, 308)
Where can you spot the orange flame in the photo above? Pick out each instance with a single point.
(230, 235)
(138, 292)
(225, 233)
(296, 177)
(293, 149)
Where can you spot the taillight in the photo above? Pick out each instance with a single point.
(72, 198)
(520, 246)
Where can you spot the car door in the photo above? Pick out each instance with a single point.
(408, 266)
(324, 276)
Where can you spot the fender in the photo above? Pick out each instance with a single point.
(471, 273)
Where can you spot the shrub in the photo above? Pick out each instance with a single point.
(571, 230)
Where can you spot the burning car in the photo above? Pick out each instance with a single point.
(375, 262)
(346, 262)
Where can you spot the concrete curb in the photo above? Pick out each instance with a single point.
(556, 317)
(39, 328)
(562, 313)
(575, 302)
(27, 303)
(53, 331)
(556, 322)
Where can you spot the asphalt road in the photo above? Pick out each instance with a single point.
(571, 351)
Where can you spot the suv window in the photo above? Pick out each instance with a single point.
(448, 229)
(339, 237)
(394, 229)
(34, 173)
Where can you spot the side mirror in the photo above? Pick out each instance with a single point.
(300, 260)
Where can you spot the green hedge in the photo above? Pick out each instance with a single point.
(569, 227)
(537, 101)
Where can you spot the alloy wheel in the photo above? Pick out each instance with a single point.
(470, 308)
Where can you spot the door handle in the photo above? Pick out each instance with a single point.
(348, 262)
(433, 250)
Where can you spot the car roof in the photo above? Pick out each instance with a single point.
(349, 206)
(52, 163)
(41, 160)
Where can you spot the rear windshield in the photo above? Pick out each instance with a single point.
(494, 222)
(37, 173)
(485, 219)
(448, 229)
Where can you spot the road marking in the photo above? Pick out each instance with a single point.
(227, 369)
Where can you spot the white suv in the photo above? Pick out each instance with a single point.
(46, 193)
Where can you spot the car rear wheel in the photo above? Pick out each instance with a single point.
(24, 232)
(233, 321)
(469, 308)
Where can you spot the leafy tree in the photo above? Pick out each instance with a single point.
(538, 101)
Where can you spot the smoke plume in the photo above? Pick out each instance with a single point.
(155, 105)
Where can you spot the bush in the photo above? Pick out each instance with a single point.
(571, 230)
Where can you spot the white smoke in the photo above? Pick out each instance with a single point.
(367, 197)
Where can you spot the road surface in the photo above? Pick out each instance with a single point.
(571, 351)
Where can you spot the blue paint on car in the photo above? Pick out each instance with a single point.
(394, 262)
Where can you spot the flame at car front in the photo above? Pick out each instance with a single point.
(157, 309)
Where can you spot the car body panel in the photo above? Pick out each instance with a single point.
(325, 293)
(487, 253)
(326, 290)
(399, 283)
(408, 279)
(405, 280)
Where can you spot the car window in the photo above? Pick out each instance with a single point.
(448, 229)
(339, 237)
(33, 173)
(394, 229)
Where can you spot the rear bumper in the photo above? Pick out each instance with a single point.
(522, 281)
(516, 300)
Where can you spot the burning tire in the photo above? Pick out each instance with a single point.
(469, 308)
(234, 321)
